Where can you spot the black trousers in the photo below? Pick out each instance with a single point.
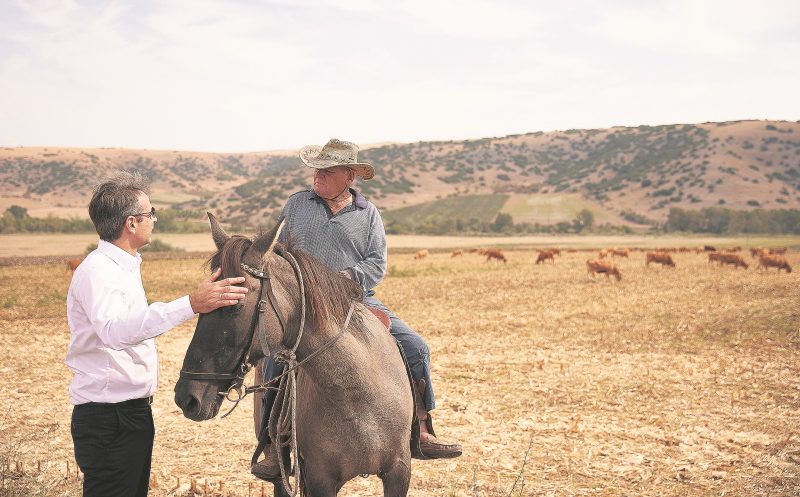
(113, 448)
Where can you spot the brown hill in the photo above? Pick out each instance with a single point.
(644, 170)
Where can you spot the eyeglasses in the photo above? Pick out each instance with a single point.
(151, 214)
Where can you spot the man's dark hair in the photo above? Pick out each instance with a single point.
(113, 200)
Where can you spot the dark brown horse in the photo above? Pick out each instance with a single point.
(353, 400)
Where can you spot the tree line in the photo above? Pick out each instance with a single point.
(720, 220)
(503, 223)
(17, 220)
(717, 220)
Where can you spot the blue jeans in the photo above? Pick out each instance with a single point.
(416, 350)
(414, 347)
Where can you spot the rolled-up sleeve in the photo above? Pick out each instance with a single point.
(120, 323)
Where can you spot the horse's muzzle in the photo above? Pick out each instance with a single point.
(199, 400)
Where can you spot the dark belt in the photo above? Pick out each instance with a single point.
(125, 403)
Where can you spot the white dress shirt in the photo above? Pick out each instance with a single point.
(112, 349)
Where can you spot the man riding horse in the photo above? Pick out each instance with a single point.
(339, 227)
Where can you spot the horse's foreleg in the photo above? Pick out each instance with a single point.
(396, 479)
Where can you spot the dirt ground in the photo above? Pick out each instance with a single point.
(670, 382)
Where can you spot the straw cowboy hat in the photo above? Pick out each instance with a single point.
(336, 153)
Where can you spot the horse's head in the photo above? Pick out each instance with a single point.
(225, 338)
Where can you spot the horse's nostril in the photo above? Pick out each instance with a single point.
(190, 404)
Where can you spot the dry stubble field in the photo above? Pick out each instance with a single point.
(671, 382)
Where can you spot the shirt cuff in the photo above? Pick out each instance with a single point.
(180, 310)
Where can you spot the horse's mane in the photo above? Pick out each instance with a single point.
(328, 294)
(230, 257)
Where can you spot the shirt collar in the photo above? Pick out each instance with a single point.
(123, 259)
(360, 201)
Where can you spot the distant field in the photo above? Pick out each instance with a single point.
(75, 244)
(171, 197)
(552, 208)
(42, 208)
(541, 208)
(480, 207)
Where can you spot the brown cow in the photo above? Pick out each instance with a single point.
(623, 252)
(544, 255)
(494, 254)
(777, 250)
(756, 252)
(72, 265)
(732, 259)
(421, 254)
(662, 258)
(457, 252)
(715, 257)
(737, 248)
(767, 261)
(603, 267)
(604, 253)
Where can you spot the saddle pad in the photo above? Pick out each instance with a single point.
(382, 316)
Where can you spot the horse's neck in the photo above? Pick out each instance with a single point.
(342, 360)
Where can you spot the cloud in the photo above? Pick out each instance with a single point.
(280, 73)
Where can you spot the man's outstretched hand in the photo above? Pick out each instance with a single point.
(212, 294)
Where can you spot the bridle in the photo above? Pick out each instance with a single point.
(244, 366)
(286, 380)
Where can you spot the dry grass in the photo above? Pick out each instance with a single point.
(671, 382)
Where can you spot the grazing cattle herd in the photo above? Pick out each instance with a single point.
(494, 254)
(544, 255)
(767, 257)
(603, 267)
(767, 261)
(72, 265)
(662, 258)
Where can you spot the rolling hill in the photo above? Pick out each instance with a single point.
(542, 177)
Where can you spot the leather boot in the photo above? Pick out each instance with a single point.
(429, 446)
(268, 468)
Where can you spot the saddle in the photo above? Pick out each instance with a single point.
(382, 316)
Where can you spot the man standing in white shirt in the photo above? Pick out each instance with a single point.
(112, 350)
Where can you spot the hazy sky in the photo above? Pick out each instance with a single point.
(262, 75)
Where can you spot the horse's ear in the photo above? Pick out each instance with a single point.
(217, 233)
(266, 243)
